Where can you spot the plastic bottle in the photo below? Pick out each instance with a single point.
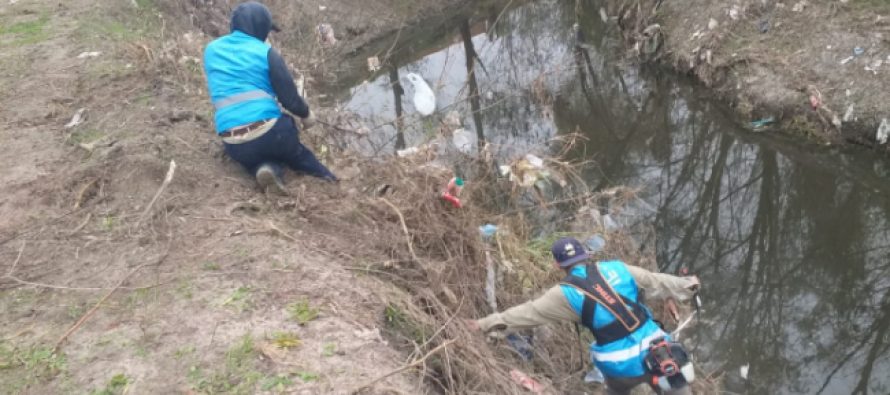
(452, 191)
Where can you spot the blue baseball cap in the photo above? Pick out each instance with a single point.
(567, 251)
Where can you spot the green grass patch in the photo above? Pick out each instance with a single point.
(302, 312)
(115, 386)
(24, 366)
(329, 349)
(85, 136)
(286, 340)
(239, 375)
(239, 300)
(278, 383)
(26, 32)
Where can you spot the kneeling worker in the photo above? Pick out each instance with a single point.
(630, 347)
(247, 79)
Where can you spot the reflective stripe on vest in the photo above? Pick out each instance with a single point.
(242, 97)
(630, 352)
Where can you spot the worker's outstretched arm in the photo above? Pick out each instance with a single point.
(284, 86)
(663, 286)
(551, 307)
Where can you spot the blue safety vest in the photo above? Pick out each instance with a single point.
(237, 68)
(622, 357)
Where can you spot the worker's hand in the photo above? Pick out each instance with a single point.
(309, 121)
(473, 325)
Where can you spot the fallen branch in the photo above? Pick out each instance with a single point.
(167, 179)
(406, 367)
(93, 310)
(404, 227)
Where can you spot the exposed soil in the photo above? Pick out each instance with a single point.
(819, 68)
(206, 283)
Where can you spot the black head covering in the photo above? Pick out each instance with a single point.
(254, 19)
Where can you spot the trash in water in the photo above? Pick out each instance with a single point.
(488, 230)
(848, 115)
(815, 102)
(883, 132)
(84, 55)
(594, 376)
(760, 123)
(77, 119)
(535, 161)
(874, 66)
(763, 25)
(373, 64)
(603, 15)
(326, 34)
(407, 152)
(424, 98)
(504, 170)
(522, 345)
(464, 141)
(858, 51)
(743, 371)
(610, 223)
(735, 12)
(848, 59)
(595, 243)
(527, 382)
(452, 119)
(712, 24)
(322, 8)
(799, 6)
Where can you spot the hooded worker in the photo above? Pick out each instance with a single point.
(247, 81)
(605, 298)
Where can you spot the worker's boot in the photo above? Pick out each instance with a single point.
(269, 180)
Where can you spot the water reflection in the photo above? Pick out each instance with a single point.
(791, 241)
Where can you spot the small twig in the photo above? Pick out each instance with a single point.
(404, 227)
(167, 180)
(93, 310)
(406, 367)
(17, 258)
(280, 232)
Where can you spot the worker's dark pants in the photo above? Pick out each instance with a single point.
(279, 146)
(623, 386)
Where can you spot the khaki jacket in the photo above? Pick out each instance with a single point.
(553, 307)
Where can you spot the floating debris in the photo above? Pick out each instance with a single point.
(761, 123)
(883, 132)
(373, 64)
(464, 141)
(743, 371)
(424, 98)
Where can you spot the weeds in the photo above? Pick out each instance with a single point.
(286, 340)
(30, 365)
(28, 32)
(278, 383)
(329, 349)
(115, 386)
(302, 312)
(239, 376)
(239, 299)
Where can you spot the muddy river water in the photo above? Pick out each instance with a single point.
(790, 239)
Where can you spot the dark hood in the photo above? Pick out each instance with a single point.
(254, 19)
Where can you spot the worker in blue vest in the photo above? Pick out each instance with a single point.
(630, 347)
(247, 80)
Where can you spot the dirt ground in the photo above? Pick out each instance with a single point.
(820, 68)
(211, 288)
